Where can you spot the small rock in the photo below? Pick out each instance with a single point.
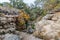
(0, 27)
(30, 30)
(11, 37)
(48, 16)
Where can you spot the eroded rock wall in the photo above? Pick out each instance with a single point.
(8, 28)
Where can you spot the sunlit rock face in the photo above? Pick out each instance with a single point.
(49, 27)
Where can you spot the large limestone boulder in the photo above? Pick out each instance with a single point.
(49, 27)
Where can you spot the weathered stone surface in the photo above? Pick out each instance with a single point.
(0, 27)
(30, 30)
(8, 25)
(8, 10)
(49, 27)
(25, 36)
(11, 37)
(48, 16)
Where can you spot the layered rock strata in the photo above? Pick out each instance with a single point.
(7, 25)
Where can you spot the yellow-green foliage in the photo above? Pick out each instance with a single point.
(58, 6)
(23, 16)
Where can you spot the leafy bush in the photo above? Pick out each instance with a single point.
(22, 18)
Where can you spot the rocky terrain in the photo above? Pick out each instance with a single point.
(25, 36)
(49, 26)
(7, 25)
(8, 28)
(9, 11)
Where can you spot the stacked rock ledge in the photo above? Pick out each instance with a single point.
(8, 27)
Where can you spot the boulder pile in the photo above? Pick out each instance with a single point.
(7, 25)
